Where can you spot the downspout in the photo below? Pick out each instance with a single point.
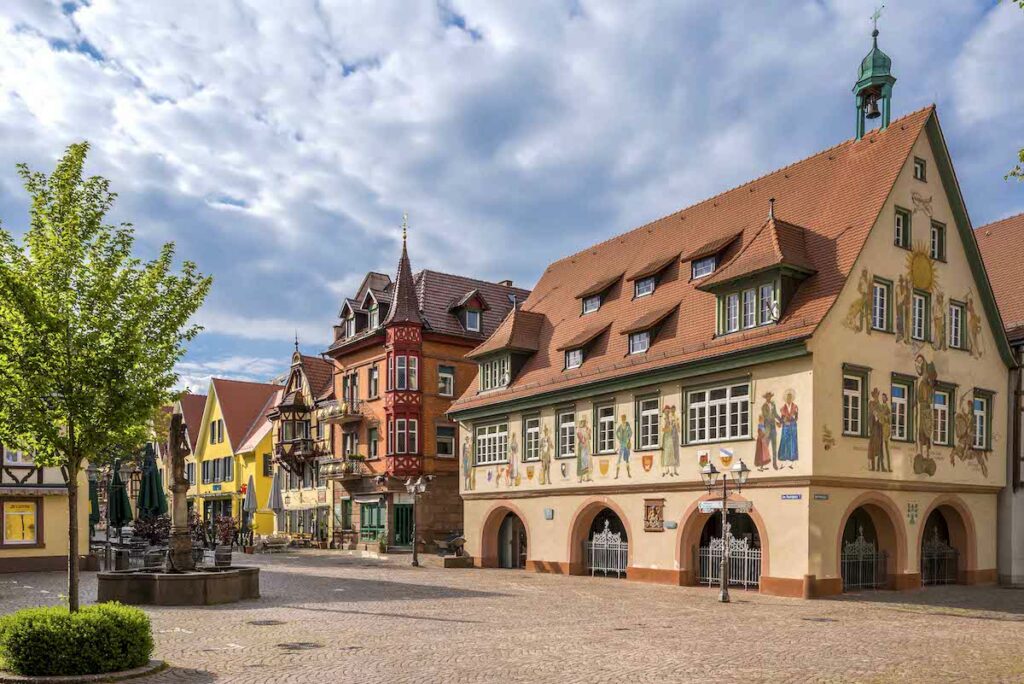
(1017, 452)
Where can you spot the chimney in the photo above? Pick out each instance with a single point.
(505, 283)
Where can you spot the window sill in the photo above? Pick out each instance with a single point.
(565, 457)
(728, 440)
(855, 435)
(884, 331)
(656, 447)
(12, 547)
(484, 465)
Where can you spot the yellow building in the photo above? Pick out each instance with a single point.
(830, 325)
(233, 442)
(34, 515)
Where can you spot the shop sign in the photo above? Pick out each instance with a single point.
(792, 497)
(821, 497)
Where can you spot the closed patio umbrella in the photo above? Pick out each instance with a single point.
(150, 490)
(249, 504)
(94, 506)
(274, 502)
(119, 507)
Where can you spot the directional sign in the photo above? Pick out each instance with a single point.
(716, 505)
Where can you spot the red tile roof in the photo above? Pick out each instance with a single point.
(1002, 244)
(600, 287)
(776, 243)
(241, 403)
(713, 247)
(319, 373)
(835, 196)
(192, 407)
(520, 331)
(260, 422)
(585, 337)
(650, 319)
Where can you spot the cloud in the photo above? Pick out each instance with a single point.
(196, 375)
(278, 143)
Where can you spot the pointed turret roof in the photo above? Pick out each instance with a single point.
(405, 308)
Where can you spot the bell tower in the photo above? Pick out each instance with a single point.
(874, 84)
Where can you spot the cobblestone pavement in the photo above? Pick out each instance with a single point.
(326, 617)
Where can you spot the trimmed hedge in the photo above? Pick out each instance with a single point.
(107, 637)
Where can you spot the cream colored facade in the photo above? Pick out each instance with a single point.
(801, 507)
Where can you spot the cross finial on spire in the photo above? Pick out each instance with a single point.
(405, 226)
(874, 19)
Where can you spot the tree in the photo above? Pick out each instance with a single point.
(1018, 170)
(89, 333)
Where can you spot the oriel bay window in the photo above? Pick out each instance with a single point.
(492, 443)
(648, 433)
(405, 432)
(294, 429)
(406, 372)
(718, 414)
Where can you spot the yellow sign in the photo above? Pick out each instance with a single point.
(19, 522)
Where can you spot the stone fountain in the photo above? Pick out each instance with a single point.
(179, 583)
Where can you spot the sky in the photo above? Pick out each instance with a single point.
(278, 143)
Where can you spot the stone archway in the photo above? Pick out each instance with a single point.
(489, 533)
(952, 519)
(688, 538)
(580, 529)
(873, 520)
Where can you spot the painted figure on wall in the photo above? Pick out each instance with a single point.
(669, 442)
(765, 451)
(878, 444)
(788, 449)
(859, 312)
(926, 379)
(583, 464)
(512, 472)
(546, 447)
(902, 310)
(964, 428)
(939, 323)
(623, 438)
(973, 327)
(467, 465)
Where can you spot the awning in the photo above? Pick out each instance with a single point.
(368, 498)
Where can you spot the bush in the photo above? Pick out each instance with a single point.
(108, 637)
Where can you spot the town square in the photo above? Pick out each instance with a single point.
(474, 342)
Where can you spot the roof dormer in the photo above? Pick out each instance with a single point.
(469, 310)
(646, 279)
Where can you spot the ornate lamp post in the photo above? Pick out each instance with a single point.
(415, 488)
(710, 474)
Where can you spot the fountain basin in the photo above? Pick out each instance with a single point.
(205, 587)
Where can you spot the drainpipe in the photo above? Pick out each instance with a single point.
(1018, 410)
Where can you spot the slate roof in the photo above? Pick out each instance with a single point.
(834, 197)
(1002, 246)
(241, 403)
(405, 307)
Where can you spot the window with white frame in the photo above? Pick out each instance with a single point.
(492, 443)
(445, 441)
(446, 381)
(649, 430)
(567, 433)
(414, 372)
(472, 317)
(494, 373)
(901, 229)
(639, 342)
(981, 422)
(401, 372)
(374, 317)
(900, 401)
(606, 429)
(769, 304)
(955, 327)
(880, 305)
(938, 241)
(531, 439)
(853, 401)
(749, 308)
(719, 413)
(920, 167)
(703, 267)
(591, 303)
(373, 381)
(413, 427)
(732, 313)
(940, 417)
(350, 326)
(919, 317)
(643, 286)
(401, 436)
(573, 358)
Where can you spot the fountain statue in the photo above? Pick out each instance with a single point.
(179, 557)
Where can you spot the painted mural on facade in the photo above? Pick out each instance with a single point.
(776, 444)
(623, 441)
(584, 464)
(670, 434)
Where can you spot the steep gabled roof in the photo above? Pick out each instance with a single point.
(520, 331)
(261, 425)
(1002, 245)
(406, 307)
(192, 407)
(241, 403)
(319, 374)
(834, 196)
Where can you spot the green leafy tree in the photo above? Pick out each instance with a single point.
(89, 333)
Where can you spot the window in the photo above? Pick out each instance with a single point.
(938, 241)
(228, 468)
(20, 522)
(492, 443)
(880, 296)
(472, 320)
(573, 358)
(349, 443)
(853, 404)
(373, 436)
(401, 372)
(567, 434)
(639, 342)
(591, 303)
(703, 267)
(445, 441)
(373, 381)
(648, 435)
(920, 169)
(268, 465)
(769, 304)
(643, 287)
(749, 308)
(494, 373)
(902, 393)
(414, 373)
(401, 444)
(980, 422)
(390, 380)
(940, 417)
(919, 324)
(14, 457)
(217, 469)
(414, 436)
(190, 473)
(531, 439)
(719, 413)
(371, 521)
(901, 229)
(350, 327)
(955, 327)
(605, 429)
(732, 313)
(446, 381)
(343, 514)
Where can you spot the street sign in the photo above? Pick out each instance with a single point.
(716, 505)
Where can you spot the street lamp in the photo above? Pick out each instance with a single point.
(415, 488)
(710, 475)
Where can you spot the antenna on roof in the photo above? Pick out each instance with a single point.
(771, 208)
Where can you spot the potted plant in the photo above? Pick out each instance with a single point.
(155, 530)
(382, 541)
(197, 532)
(226, 528)
(322, 534)
(247, 539)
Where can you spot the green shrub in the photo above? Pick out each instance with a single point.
(107, 637)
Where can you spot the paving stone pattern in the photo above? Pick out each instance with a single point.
(326, 617)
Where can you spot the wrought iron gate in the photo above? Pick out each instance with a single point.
(606, 552)
(862, 565)
(939, 561)
(744, 562)
(403, 524)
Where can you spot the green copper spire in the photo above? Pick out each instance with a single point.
(874, 83)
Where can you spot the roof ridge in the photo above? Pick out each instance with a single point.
(1005, 219)
(737, 187)
(478, 280)
(244, 382)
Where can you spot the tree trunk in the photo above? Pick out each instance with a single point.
(72, 538)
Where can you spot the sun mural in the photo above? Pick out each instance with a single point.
(921, 268)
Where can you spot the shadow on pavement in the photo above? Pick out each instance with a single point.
(952, 601)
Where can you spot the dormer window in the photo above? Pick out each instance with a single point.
(748, 308)
(472, 320)
(703, 267)
(573, 358)
(494, 373)
(374, 317)
(639, 342)
(644, 286)
(350, 326)
(591, 304)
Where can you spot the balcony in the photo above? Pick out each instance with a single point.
(343, 412)
(293, 454)
(346, 468)
(404, 465)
